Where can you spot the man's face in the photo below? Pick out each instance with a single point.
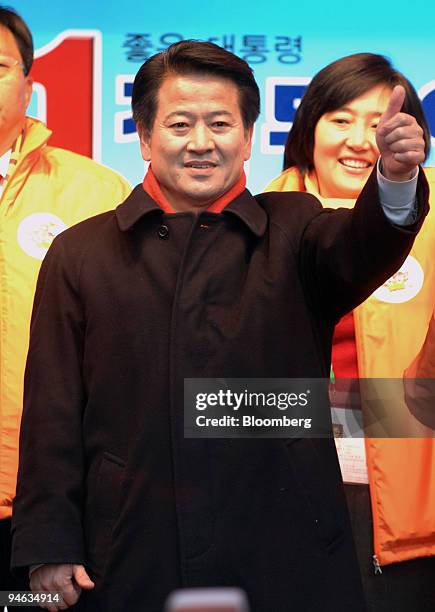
(198, 142)
(15, 92)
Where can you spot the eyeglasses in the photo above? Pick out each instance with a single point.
(7, 63)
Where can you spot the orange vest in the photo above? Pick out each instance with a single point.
(49, 190)
(390, 328)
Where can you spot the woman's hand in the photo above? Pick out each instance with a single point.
(399, 139)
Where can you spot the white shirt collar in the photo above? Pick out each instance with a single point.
(4, 162)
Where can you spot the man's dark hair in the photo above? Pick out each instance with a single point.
(336, 85)
(186, 58)
(10, 20)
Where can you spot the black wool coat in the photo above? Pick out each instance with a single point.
(128, 304)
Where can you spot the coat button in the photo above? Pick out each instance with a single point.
(163, 232)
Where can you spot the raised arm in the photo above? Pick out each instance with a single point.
(348, 254)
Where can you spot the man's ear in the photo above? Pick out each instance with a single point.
(145, 145)
(248, 143)
(28, 91)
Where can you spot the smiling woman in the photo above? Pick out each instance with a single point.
(345, 149)
(330, 152)
(337, 86)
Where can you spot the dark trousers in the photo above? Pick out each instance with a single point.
(408, 586)
(9, 582)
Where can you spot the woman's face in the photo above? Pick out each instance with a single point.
(345, 148)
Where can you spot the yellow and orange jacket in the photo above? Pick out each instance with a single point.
(390, 328)
(50, 189)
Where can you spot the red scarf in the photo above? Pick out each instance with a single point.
(153, 189)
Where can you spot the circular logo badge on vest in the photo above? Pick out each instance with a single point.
(403, 285)
(36, 233)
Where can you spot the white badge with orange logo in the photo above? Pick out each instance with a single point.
(36, 233)
(404, 285)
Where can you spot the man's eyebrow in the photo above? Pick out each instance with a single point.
(187, 114)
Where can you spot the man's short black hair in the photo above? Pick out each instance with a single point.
(186, 58)
(10, 20)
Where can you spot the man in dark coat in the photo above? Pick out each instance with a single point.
(194, 277)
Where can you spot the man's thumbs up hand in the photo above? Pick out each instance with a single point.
(399, 139)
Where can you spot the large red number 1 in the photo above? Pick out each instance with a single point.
(67, 75)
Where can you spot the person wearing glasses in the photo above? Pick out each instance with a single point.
(43, 190)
